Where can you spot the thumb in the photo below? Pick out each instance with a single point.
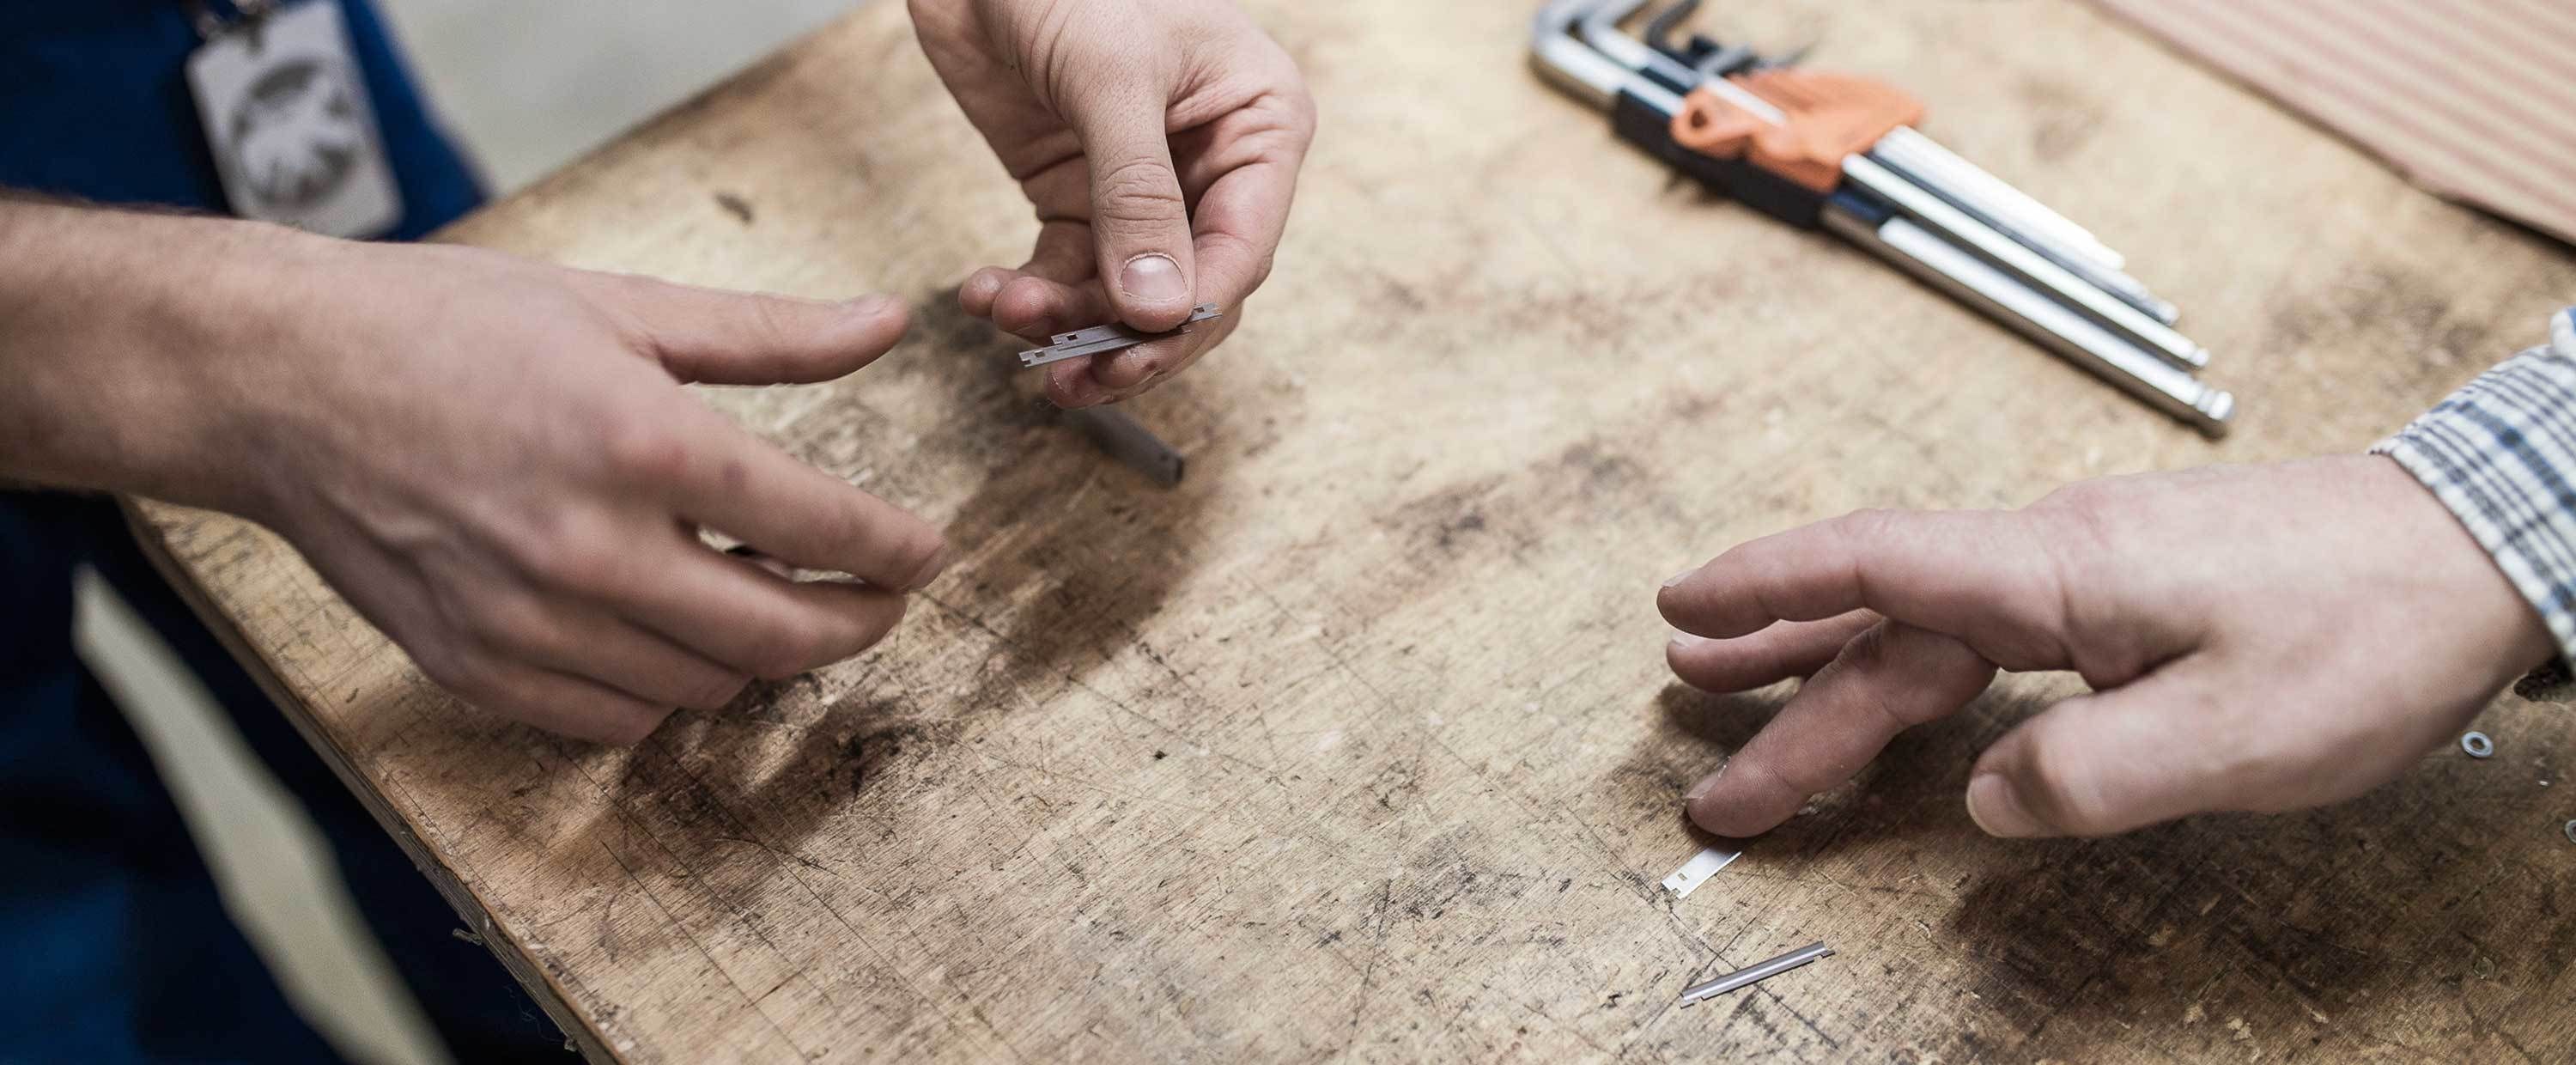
(1140, 221)
(740, 338)
(2105, 763)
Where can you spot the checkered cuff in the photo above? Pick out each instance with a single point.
(2501, 454)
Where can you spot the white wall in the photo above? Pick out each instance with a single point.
(533, 85)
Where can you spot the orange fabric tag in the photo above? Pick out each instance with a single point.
(1829, 117)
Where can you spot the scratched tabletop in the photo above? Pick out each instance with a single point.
(1359, 744)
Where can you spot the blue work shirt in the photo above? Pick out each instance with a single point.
(94, 105)
(119, 946)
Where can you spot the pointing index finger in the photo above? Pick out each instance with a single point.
(1980, 575)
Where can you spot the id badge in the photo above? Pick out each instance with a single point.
(287, 115)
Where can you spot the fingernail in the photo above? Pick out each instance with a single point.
(1680, 577)
(1691, 797)
(1687, 640)
(930, 571)
(1997, 808)
(1154, 279)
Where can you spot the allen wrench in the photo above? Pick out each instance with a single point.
(1930, 213)
(1754, 973)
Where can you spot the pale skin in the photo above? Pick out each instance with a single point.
(2261, 638)
(493, 460)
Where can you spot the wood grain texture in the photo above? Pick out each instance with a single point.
(1359, 745)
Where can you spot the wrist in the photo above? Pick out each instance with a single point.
(2514, 632)
(2490, 454)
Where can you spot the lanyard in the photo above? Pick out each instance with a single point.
(211, 25)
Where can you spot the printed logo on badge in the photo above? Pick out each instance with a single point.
(287, 116)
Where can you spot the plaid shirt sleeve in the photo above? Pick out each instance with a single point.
(2501, 454)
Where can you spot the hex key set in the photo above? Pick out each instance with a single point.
(1840, 153)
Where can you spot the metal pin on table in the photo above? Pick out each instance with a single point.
(1754, 973)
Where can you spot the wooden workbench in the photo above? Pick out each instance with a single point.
(1360, 744)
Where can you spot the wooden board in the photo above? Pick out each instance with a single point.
(1359, 745)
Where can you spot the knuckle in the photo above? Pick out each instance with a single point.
(1140, 190)
(582, 562)
(2079, 522)
(1867, 526)
(593, 567)
(609, 302)
(2071, 496)
(503, 619)
(1868, 652)
(644, 451)
(1788, 786)
(2074, 546)
(534, 542)
(1260, 260)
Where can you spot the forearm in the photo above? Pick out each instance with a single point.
(129, 344)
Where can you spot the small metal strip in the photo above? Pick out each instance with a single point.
(1084, 336)
(1696, 871)
(1100, 340)
(1030, 360)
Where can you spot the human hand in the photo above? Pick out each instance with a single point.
(2259, 639)
(1159, 141)
(492, 459)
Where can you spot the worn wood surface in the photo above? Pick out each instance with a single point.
(1360, 745)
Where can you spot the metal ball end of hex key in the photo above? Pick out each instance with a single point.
(1754, 973)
